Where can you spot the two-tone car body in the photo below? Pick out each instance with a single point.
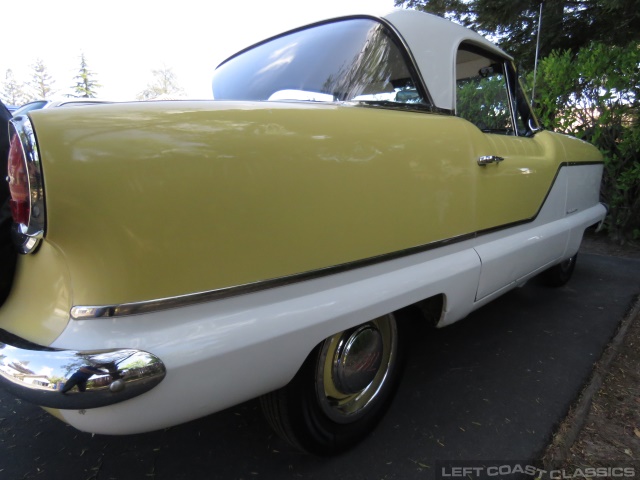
(202, 253)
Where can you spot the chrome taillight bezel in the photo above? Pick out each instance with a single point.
(28, 236)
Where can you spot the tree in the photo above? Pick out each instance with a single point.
(41, 83)
(566, 24)
(163, 85)
(12, 91)
(56, 379)
(595, 95)
(85, 86)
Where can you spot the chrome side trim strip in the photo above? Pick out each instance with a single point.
(149, 306)
(75, 380)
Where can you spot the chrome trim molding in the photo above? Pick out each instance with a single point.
(156, 305)
(92, 312)
(28, 237)
(581, 164)
(403, 107)
(75, 380)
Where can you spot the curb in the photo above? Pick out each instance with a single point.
(566, 434)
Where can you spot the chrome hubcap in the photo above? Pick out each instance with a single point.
(353, 367)
(357, 359)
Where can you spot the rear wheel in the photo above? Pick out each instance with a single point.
(560, 274)
(342, 390)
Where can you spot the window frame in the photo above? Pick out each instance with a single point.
(516, 98)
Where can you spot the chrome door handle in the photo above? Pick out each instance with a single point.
(487, 159)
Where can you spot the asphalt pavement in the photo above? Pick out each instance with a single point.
(492, 387)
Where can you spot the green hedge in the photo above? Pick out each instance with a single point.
(594, 95)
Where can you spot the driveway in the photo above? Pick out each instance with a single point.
(489, 388)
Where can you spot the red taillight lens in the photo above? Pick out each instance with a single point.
(26, 187)
(18, 182)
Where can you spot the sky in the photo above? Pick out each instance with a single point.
(123, 41)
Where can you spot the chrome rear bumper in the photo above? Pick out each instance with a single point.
(75, 380)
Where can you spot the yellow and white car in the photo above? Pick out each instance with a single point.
(181, 257)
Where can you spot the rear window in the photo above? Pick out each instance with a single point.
(357, 60)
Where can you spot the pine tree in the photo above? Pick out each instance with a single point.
(86, 86)
(164, 84)
(41, 83)
(12, 91)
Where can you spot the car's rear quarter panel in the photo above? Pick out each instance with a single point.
(147, 202)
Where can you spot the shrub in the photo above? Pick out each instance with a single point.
(594, 95)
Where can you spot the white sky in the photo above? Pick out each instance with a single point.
(124, 40)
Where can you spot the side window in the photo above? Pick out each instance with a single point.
(484, 92)
(355, 60)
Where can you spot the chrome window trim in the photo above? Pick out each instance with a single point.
(28, 237)
(511, 94)
(403, 107)
(513, 85)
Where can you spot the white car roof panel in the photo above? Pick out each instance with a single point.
(434, 42)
